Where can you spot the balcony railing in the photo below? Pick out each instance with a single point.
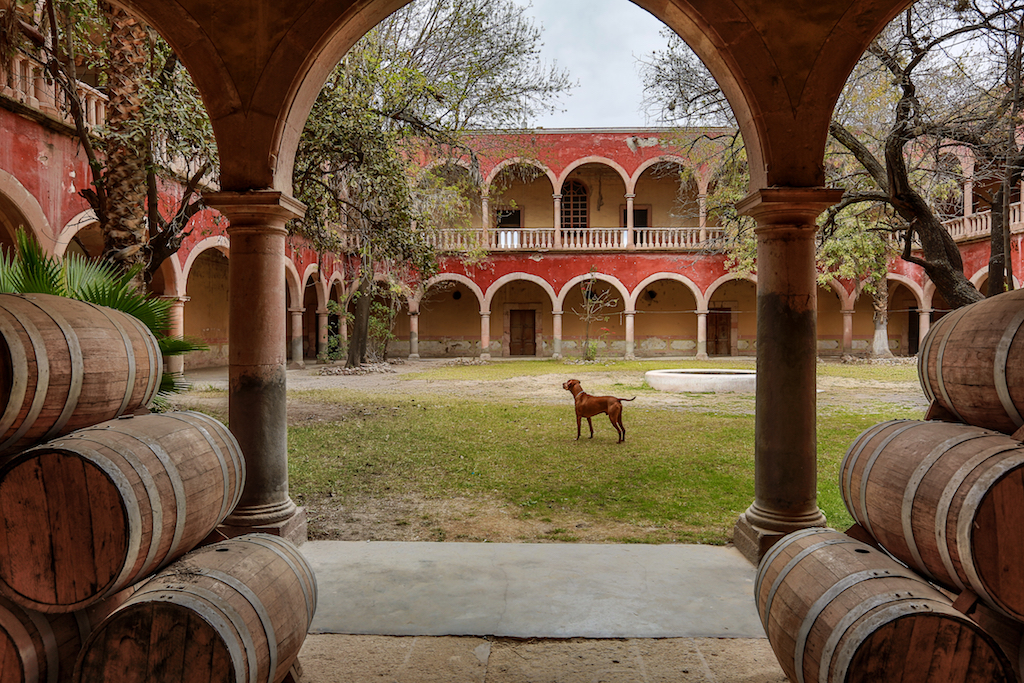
(589, 239)
(980, 224)
(25, 82)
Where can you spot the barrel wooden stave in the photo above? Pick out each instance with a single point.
(945, 499)
(97, 510)
(39, 648)
(235, 611)
(835, 609)
(67, 364)
(972, 362)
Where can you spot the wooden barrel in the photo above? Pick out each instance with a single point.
(67, 364)
(839, 611)
(236, 611)
(972, 363)
(43, 648)
(99, 509)
(946, 499)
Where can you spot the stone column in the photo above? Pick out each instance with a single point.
(295, 341)
(785, 438)
(558, 220)
(702, 335)
(321, 332)
(924, 323)
(176, 364)
(556, 333)
(630, 223)
(847, 331)
(630, 335)
(256, 377)
(414, 335)
(485, 336)
(485, 221)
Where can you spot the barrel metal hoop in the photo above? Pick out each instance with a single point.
(131, 504)
(851, 457)
(177, 486)
(228, 438)
(946, 501)
(956, 317)
(823, 601)
(19, 377)
(50, 646)
(794, 561)
(210, 608)
(19, 361)
(276, 545)
(261, 611)
(922, 358)
(224, 505)
(965, 527)
(868, 626)
(1000, 363)
(777, 549)
(844, 624)
(77, 372)
(23, 640)
(866, 521)
(910, 492)
(129, 352)
(156, 363)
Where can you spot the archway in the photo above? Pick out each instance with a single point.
(666, 318)
(732, 318)
(207, 291)
(449, 319)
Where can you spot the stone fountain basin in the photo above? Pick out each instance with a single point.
(702, 381)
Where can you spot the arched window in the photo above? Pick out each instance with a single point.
(574, 206)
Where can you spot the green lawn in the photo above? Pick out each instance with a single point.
(681, 476)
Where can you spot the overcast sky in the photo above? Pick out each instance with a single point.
(597, 41)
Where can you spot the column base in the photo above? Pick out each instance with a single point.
(296, 365)
(414, 356)
(292, 527)
(485, 356)
(702, 356)
(754, 541)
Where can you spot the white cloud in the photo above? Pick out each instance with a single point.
(598, 42)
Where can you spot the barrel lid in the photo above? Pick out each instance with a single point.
(66, 530)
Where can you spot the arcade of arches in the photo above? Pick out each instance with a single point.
(259, 65)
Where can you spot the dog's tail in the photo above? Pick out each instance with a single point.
(628, 399)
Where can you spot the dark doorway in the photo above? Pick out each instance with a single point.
(522, 340)
(719, 332)
(913, 331)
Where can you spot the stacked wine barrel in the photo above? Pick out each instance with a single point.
(934, 588)
(98, 496)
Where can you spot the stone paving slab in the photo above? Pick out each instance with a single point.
(533, 590)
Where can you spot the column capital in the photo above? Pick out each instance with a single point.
(630, 195)
(263, 210)
(296, 310)
(629, 314)
(788, 206)
(557, 312)
(557, 195)
(848, 311)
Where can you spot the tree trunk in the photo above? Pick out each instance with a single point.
(880, 303)
(124, 230)
(361, 323)
(997, 257)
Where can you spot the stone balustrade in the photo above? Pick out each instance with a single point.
(26, 82)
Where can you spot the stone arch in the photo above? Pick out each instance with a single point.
(599, 160)
(663, 159)
(518, 161)
(453, 277)
(686, 282)
(82, 221)
(615, 282)
(512, 277)
(219, 242)
(728, 277)
(846, 298)
(911, 285)
(312, 272)
(23, 209)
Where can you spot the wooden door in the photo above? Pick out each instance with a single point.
(522, 333)
(719, 332)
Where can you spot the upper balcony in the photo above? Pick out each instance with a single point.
(979, 225)
(26, 82)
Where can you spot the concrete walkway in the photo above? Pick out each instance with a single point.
(522, 612)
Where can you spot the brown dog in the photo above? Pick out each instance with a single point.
(588, 406)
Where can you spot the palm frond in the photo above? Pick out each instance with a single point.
(170, 383)
(178, 346)
(80, 274)
(40, 272)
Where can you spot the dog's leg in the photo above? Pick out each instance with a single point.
(591, 428)
(578, 426)
(615, 416)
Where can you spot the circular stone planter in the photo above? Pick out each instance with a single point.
(702, 380)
